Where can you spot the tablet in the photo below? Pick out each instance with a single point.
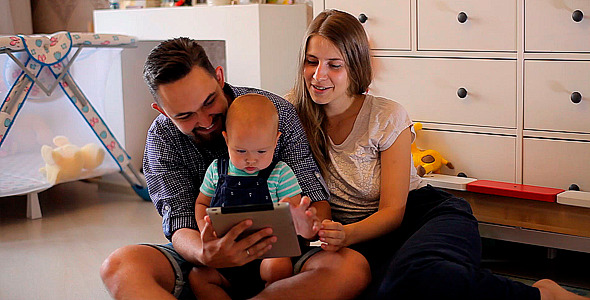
(276, 215)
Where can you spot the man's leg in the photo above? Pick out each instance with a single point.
(326, 275)
(138, 272)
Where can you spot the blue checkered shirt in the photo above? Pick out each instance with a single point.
(175, 166)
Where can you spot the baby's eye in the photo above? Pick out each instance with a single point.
(241, 151)
(262, 151)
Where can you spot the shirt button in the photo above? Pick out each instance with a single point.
(167, 207)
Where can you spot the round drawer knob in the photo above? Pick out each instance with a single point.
(462, 17)
(573, 187)
(577, 15)
(363, 18)
(462, 93)
(576, 97)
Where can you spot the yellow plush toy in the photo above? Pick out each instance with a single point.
(427, 161)
(67, 160)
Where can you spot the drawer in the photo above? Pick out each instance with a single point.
(428, 89)
(387, 24)
(543, 159)
(481, 156)
(548, 101)
(490, 25)
(550, 26)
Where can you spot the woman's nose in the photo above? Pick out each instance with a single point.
(320, 73)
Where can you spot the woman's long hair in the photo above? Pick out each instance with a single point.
(349, 36)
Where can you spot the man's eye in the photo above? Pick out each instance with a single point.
(209, 102)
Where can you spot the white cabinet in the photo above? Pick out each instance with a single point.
(387, 21)
(525, 65)
(557, 25)
(262, 40)
(483, 25)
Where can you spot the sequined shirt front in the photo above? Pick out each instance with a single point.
(354, 178)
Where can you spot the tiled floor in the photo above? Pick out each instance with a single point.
(58, 256)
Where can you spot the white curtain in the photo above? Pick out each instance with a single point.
(15, 17)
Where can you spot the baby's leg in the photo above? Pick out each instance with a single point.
(208, 283)
(275, 269)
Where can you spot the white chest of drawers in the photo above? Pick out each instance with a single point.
(518, 121)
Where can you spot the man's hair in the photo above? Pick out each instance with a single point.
(172, 60)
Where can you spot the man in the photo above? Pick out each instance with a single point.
(193, 98)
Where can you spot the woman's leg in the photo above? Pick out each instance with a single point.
(441, 256)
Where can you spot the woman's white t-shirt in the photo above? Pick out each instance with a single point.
(354, 178)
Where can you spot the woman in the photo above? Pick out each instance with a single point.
(421, 242)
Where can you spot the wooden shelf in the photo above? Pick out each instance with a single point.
(529, 214)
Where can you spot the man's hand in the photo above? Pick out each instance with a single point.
(304, 216)
(227, 252)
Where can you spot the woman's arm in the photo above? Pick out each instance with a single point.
(395, 181)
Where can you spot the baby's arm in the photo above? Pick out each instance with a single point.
(200, 209)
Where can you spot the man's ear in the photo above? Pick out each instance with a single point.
(278, 136)
(219, 76)
(158, 108)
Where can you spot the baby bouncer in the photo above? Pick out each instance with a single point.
(44, 62)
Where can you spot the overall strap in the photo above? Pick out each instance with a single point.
(266, 172)
(222, 166)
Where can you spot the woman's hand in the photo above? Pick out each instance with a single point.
(332, 235)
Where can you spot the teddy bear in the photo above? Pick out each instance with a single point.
(427, 161)
(67, 161)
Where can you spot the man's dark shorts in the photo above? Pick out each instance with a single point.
(245, 280)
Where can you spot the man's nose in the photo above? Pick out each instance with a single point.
(204, 120)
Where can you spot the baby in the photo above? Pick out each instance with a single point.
(249, 177)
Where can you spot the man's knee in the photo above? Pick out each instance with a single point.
(348, 268)
(136, 263)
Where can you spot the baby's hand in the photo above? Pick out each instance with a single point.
(304, 216)
(332, 235)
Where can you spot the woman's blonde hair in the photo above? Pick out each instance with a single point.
(348, 35)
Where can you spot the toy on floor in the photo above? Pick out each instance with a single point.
(427, 161)
(67, 161)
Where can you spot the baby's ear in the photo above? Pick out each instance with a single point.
(224, 135)
(279, 135)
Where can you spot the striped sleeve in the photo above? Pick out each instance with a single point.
(210, 181)
(287, 182)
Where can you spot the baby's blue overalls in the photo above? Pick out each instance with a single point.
(234, 190)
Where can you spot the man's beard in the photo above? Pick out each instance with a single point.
(213, 139)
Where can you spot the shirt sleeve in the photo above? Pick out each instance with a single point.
(293, 149)
(210, 182)
(392, 118)
(170, 180)
(288, 185)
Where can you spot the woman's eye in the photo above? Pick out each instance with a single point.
(311, 62)
(336, 66)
